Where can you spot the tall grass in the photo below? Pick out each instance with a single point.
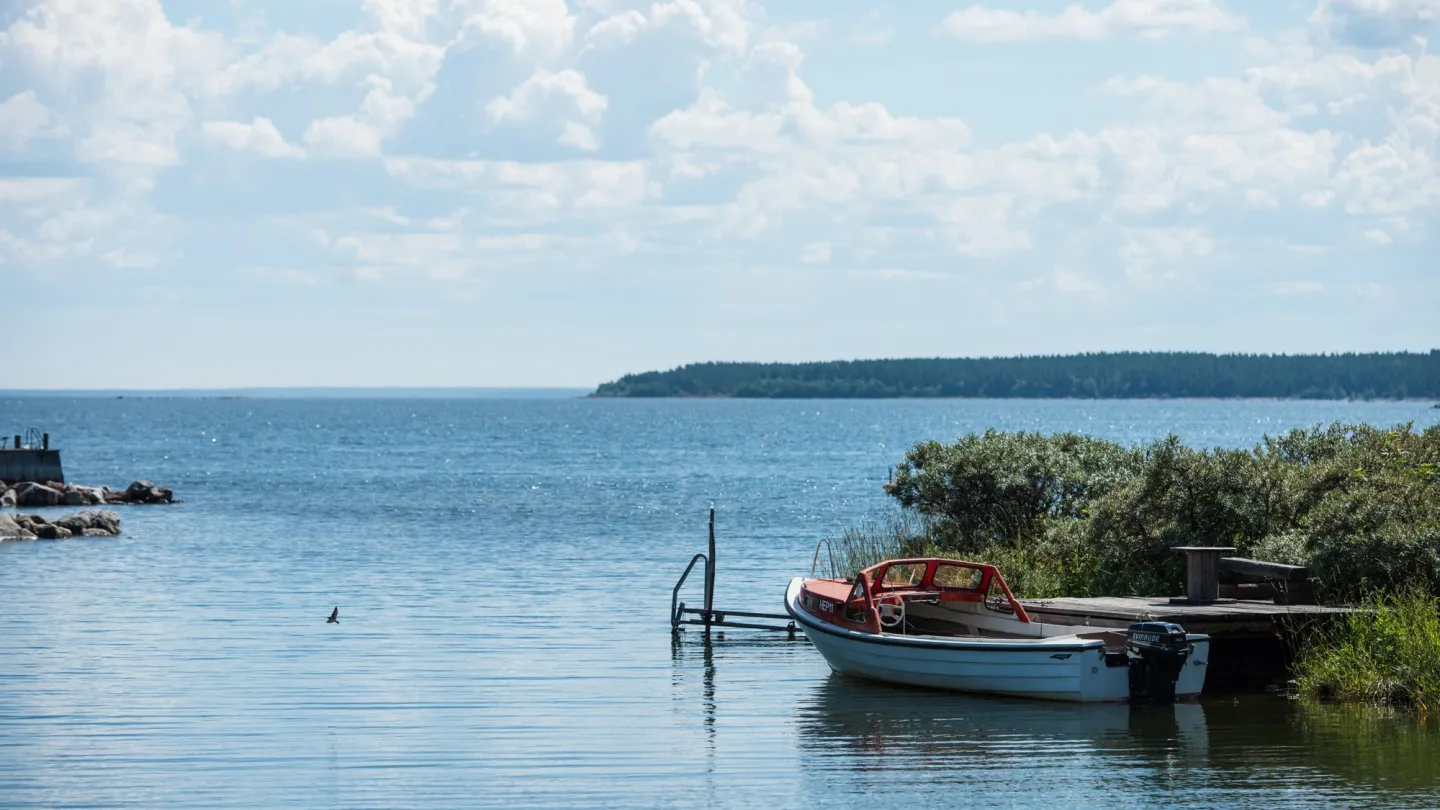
(892, 533)
(1389, 654)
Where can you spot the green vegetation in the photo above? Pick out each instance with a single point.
(893, 534)
(1071, 515)
(1389, 654)
(1121, 375)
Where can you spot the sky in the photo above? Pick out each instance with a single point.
(218, 193)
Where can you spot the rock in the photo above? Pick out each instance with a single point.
(11, 528)
(147, 492)
(50, 531)
(139, 491)
(7, 499)
(113, 496)
(80, 522)
(31, 522)
(32, 494)
(74, 498)
(95, 533)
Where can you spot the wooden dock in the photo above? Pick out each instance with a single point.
(1252, 643)
(1226, 618)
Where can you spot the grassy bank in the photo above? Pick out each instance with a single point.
(1389, 654)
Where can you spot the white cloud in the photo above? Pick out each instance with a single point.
(543, 90)
(136, 65)
(547, 99)
(259, 136)
(725, 27)
(697, 136)
(617, 31)
(540, 28)
(23, 119)
(579, 136)
(409, 18)
(343, 136)
(1144, 18)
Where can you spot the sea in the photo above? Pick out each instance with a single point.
(503, 567)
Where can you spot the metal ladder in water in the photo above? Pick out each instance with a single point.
(709, 616)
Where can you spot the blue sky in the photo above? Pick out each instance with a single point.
(212, 193)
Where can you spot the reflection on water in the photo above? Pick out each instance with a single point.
(868, 736)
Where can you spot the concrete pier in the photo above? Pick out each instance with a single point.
(30, 464)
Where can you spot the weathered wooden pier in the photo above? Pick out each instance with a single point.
(1252, 640)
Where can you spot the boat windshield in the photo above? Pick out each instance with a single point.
(967, 577)
(856, 606)
(900, 575)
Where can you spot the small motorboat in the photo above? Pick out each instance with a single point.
(951, 624)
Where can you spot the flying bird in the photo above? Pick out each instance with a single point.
(334, 616)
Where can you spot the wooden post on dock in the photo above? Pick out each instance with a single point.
(710, 575)
(1202, 573)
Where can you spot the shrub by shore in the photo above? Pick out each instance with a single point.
(1072, 515)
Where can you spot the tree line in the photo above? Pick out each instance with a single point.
(1107, 375)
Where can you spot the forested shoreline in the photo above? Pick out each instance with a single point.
(1111, 375)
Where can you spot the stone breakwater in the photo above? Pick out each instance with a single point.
(89, 523)
(54, 493)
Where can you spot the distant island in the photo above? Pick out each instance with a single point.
(1107, 375)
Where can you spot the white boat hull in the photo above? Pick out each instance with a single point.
(1064, 668)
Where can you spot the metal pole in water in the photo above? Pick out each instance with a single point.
(710, 574)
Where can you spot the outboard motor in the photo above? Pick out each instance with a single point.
(1157, 652)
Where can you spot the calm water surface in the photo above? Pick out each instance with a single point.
(503, 570)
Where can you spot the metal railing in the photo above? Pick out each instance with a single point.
(708, 616)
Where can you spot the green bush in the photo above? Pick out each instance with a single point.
(1074, 515)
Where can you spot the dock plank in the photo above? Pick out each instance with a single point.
(1112, 610)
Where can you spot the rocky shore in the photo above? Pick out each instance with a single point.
(89, 523)
(54, 493)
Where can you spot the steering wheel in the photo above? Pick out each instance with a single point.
(892, 613)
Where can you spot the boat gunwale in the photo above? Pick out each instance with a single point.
(1048, 645)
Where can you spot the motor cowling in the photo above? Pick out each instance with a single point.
(1157, 652)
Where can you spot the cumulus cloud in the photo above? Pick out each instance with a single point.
(23, 119)
(259, 136)
(537, 28)
(343, 136)
(1143, 18)
(544, 89)
(739, 160)
(560, 100)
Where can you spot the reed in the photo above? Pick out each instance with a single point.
(1388, 654)
(889, 534)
